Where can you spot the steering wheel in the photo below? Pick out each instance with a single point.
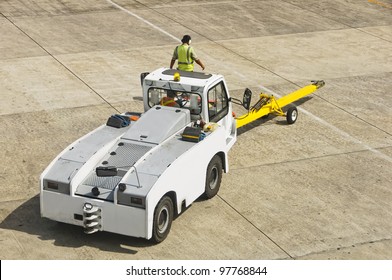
(182, 99)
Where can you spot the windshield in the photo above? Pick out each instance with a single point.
(173, 98)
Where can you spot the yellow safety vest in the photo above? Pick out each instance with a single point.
(185, 61)
(167, 101)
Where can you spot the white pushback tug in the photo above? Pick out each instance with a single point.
(131, 176)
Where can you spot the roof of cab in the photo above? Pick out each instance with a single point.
(190, 78)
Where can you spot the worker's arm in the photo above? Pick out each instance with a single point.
(174, 57)
(198, 61)
(172, 63)
(196, 58)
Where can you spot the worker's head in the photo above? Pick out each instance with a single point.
(171, 94)
(186, 39)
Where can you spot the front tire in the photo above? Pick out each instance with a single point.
(214, 177)
(163, 217)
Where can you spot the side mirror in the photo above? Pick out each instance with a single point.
(106, 171)
(247, 98)
(142, 76)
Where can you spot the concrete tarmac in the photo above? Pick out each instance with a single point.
(318, 189)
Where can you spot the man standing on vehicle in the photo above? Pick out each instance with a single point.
(185, 55)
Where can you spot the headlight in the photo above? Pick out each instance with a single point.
(56, 187)
(137, 201)
(128, 199)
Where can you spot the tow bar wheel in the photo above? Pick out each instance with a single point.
(292, 115)
(163, 217)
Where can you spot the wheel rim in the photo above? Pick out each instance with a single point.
(294, 115)
(213, 178)
(163, 219)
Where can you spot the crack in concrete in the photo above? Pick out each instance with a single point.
(60, 62)
(254, 226)
(343, 247)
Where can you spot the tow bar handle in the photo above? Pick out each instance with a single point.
(318, 84)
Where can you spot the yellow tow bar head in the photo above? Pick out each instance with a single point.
(268, 104)
(318, 84)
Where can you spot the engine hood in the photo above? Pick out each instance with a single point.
(158, 124)
(133, 152)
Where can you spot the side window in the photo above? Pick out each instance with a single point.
(155, 95)
(218, 105)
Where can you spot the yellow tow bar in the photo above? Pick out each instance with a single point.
(268, 104)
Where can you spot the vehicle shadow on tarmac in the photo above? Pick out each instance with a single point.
(26, 218)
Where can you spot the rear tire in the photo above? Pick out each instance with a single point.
(213, 177)
(292, 115)
(163, 217)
